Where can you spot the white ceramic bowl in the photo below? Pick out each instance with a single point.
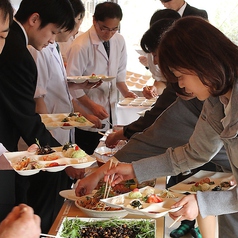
(100, 214)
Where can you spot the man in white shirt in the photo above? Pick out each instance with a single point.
(88, 56)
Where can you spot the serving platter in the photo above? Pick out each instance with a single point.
(91, 79)
(216, 177)
(62, 120)
(28, 163)
(152, 210)
(71, 225)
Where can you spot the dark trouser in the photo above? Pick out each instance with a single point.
(7, 192)
(87, 140)
(41, 192)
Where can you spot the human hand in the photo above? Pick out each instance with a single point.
(143, 60)
(95, 120)
(114, 137)
(99, 111)
(111, 140)
(74, 173)
(21, 222)
(149, 92)
(122, 172)
(130, 94)
(88, 183)
(189, 210)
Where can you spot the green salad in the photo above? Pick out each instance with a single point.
(77, 228)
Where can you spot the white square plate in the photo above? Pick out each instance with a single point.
(153, 210)
(216, 177)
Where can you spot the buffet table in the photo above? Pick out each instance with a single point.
(70, 210)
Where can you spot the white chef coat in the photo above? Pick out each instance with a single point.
(87, 56)
(52, 85)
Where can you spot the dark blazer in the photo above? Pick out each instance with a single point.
(18, 76)
(192, 11)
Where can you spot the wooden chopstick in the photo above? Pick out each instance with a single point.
(175, 221)
(109, 188)
(99, 132)
(106, 186)
(46, 235)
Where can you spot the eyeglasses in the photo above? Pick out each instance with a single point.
(105, 29)
(164, 1)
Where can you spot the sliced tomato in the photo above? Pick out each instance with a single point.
(206, 180)
(53, 164)
(66, 124)
(153, 198)
(76, 147)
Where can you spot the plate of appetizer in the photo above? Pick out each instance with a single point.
(146, 201)
(205, 181)
(103, 227)
(65, 121)
(49, 159)
(92, 78)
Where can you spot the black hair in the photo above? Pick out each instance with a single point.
(58, 12)
(162, 14)
(107, 10)
(6, 10)
(78, 8)
(151, 38)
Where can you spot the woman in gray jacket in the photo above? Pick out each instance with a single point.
(204, 63)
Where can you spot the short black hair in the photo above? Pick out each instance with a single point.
(78, 8)
(164, 13)
(107, 10)
(58, 12)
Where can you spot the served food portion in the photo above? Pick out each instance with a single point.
(91, 78)
(65, 121)
(100, 228)
(147, 201)
(49, 159)
(93, 207)
(205, 181)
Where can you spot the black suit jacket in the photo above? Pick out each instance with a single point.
(192, 11)
(18, 75)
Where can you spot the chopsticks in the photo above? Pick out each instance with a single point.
(99, 132)
(108, 188)
(46, 235)
(175, 221)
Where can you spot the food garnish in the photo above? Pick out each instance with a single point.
(43, 150)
